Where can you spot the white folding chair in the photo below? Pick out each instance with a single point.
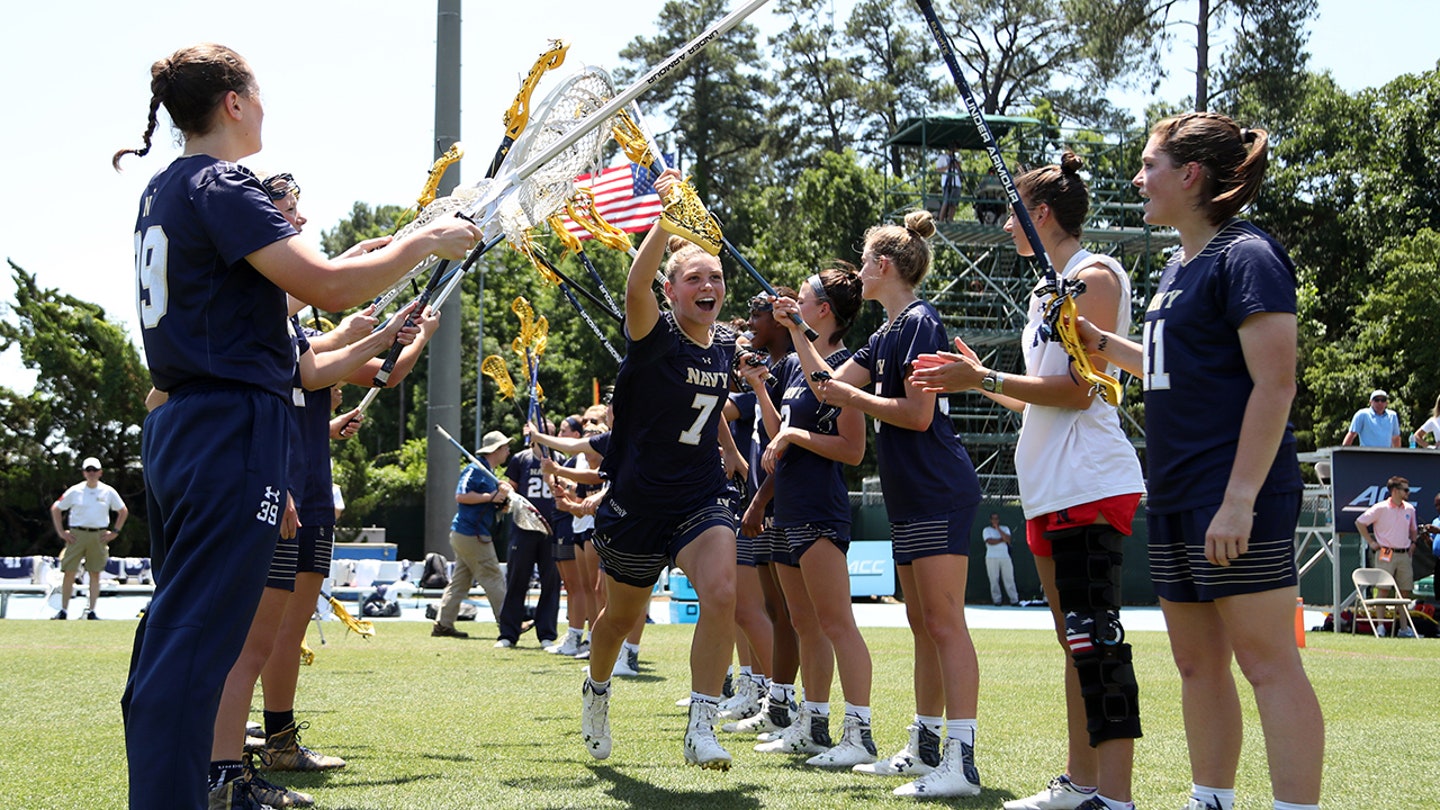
(1396, 606)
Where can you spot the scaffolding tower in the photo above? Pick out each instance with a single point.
(981, 286)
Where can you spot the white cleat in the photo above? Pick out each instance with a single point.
(809, 734)
(567, 647)
(856, 747)
(627, 664)
(745, 703)
(595, 720)
(775, 717)
(919, 756)
(701, 747)
(954, 776)
(1060, 794)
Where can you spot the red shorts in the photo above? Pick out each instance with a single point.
(1117, 510)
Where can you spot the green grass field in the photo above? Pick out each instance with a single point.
(443, 723)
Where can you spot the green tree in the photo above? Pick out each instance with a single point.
(716, 100)
(895, 58)
(88, 400)
(1393, 343)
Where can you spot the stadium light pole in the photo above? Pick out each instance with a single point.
(444, 363)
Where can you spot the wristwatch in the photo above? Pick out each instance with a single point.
(994, 382)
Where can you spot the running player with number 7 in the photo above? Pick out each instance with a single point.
(1218, 363)
(669, 496)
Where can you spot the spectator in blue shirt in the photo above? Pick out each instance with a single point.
(1375, 426)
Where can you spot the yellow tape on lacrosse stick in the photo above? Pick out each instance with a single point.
(493, 366)
(581, 209)
(307, 655)
(364, 627)
(1065, 328)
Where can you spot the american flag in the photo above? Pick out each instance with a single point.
(625, 197)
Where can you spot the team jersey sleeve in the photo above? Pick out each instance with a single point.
(238, 215)
(921, 335)
(600, 444)
(655, 345)
(862, 356)
(1259, 279)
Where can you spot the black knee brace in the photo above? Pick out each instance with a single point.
(1087, 575)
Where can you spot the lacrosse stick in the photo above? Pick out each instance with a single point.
(1060, 309)
(586, 199)
(548, 271)
(516, 120)
(586, 119)
(685, 215)
(432, 183)
(363, 627)
(494, 367)
(524, 512)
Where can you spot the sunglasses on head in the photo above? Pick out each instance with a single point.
(281, 185)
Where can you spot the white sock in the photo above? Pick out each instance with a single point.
(817, 709)
(1279, 805)
(861, 712)
(577, 632)
(962, 730)
(782, 692)
(628, 647)
(745, 671)
(1116, 804)
(934, 725)
(696, 697)
(599, 687)
(1224, 797)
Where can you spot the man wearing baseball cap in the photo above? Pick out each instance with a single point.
(89, 504)
(1375, 426)
(479, 499)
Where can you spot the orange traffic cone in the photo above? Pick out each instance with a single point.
(1300, 622)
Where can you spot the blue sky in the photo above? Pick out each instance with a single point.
(349, 94)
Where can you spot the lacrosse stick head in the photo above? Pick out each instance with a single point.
(493, 366)
(526, 313)
(542, 336)
(526, 247)
(566, 108)
(632, 139)
(687, 217)
(581, 209)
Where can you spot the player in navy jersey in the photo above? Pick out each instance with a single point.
(774, 341)
(1080, 484)
(931, 493)
(812, 443)
(668, 497)
(214, 259)
(579, 598)
(530, 552)
(1218, 364)
(345, 346)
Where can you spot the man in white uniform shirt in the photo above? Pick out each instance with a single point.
(88, 537)
(998, 563)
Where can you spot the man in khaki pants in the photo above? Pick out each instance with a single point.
(470, 536)
(89, 504)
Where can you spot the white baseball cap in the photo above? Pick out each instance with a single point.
(91, 461)
(1379, 394)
